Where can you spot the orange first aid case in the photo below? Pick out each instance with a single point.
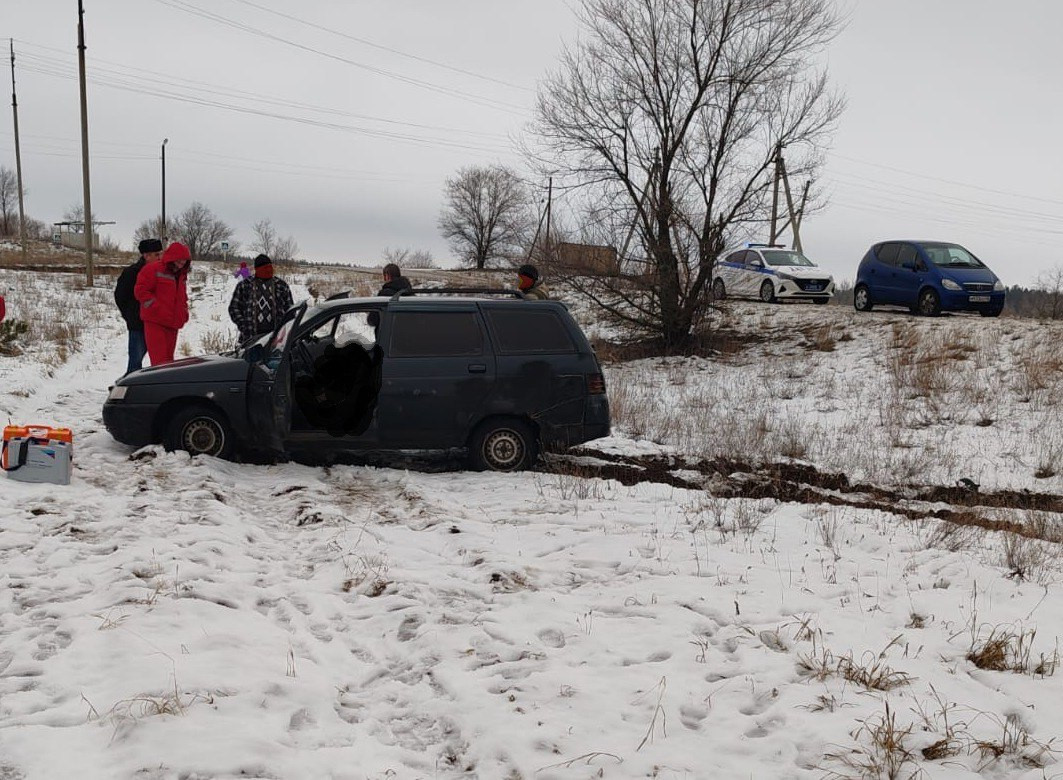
(37, 453)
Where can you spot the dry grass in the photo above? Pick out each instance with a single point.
(216, 340)
(1011, 649)
(1029, 560)
(882, 751)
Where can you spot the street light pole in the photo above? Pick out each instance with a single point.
(164, 237)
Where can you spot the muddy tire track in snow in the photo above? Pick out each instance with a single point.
(804, 484)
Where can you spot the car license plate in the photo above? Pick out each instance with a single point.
(979, 299)
(814, 288)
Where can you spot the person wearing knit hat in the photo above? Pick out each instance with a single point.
(150, 251)
(259, 303)
(162, 291)
(531, 284)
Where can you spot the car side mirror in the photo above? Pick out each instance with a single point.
(255, 353)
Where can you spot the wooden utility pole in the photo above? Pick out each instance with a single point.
(638, 210)
(164, 231)
(85, 147)
(549, 216)
(775, 195)
(795, 223)
(18, 158)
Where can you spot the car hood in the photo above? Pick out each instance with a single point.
(209, 368)
(962, 275)
(802, 271)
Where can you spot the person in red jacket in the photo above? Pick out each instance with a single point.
(161, 290)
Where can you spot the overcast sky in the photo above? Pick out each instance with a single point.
(952, 131)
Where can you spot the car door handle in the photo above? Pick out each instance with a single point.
(477, 368)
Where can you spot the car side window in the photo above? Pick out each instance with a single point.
(887, 253)
(736, 257)
(753, 260)
(527, 331)
(354, 326)
(436, 334)
(907, 254)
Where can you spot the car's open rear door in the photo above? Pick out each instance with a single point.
(270, 391)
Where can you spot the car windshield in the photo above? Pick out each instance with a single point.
(950, 256)
(786, 257)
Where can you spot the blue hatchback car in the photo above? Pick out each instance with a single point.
(928, 277)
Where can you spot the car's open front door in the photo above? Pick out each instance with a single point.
(270, 391)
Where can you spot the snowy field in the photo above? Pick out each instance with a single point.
(168, 618)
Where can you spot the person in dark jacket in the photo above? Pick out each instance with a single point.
(531, 284)
(150, 251)
(259, 303)
(162, 291)
(395, 282)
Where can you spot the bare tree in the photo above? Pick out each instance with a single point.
(265, 237)
(285, 250)
(202, 231)
(486, 214)
(666, 117)
(409, 258)
(1050, 283)
(153, 228)
(76, 216)
(8, 202)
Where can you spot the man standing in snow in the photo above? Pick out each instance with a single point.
(531, 284)
(395, 282)
(150, 251)
(259, 303)
(163, 294)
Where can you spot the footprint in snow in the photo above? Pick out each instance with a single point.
(552, 637)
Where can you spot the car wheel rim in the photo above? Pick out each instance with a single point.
(717, 289)
(861, 299)
(503, 450)
(767, 292)
(928, 304)
(203, 436)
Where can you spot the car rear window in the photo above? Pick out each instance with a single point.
(436, 334)
(528, 331)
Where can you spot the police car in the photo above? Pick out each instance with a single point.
(770, 272)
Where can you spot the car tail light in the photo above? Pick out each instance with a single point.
(595, 384)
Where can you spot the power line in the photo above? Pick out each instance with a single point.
(189, 8)
(384, 48)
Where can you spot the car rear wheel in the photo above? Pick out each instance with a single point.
(767, 292)
(199, 430)
(929, 303)
(719, 291)
(503, 444)
(862, 299)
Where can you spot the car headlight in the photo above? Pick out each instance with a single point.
(784, 277)
(118, 392)
(998, 286)
(948, 284)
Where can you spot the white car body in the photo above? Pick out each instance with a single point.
(747, 271)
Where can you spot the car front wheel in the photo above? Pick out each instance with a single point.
(862, 299)
(199, 430)
(929, 304)
(503, 445)
(719, 291)
(767, 292)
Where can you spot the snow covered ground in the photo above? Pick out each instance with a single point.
(168, 618)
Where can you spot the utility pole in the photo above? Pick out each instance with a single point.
(164, 237)
(794, 221)
(18, 158)
(85, 146)
(549, 216)
(775, 195)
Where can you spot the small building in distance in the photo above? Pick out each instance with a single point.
(588, 259)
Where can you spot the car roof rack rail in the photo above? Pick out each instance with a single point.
(458, 291)
(765, 246)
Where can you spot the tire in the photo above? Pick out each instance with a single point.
(862, 298)
(199, 430)
(821, 301)
(767, 292)
(929, 304)
(990, 312)
(719, 290)
(503, 444)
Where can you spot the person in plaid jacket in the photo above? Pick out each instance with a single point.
(259, 303)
